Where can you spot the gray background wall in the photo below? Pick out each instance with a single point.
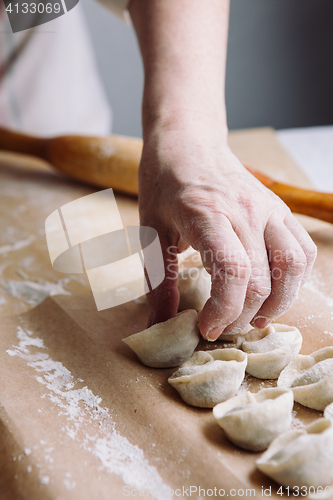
(279, 69)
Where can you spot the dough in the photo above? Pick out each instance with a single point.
(328, 412)
(325, 494)
(234, 339)
(301, 457)
(310, 378)
(167, 344)
(194, 288)
(269, 350)
(210, 377)
(252, 421)
(235, 342)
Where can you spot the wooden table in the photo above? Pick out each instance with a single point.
(81, 418)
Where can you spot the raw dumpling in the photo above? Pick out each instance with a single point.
(310, 378)
(328, 412)
(208, 378)
(167, 344)
(301, 457)
(269, 350)
(326, 494)
(252, 421)
(194, 288)
(235, 342)
(235, 339)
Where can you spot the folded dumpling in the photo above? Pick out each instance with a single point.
(270, 349)
(328, 412)
(194, 286)
(301, 458)
(167, 344)
(310, 378)
(326, 494)
(237, 338)
(252, 421)
(210, 377)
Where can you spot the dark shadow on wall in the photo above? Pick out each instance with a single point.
(280, 63)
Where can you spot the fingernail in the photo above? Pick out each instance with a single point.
(214, 333)
(261, 322)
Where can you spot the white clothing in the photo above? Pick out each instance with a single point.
(118, 7)
(52, 86)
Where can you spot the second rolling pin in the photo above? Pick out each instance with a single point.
(113, 161)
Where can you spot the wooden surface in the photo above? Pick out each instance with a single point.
(53, 446)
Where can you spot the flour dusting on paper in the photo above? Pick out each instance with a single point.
(314, 285)
(17, 245)
(80, 406)
(296, 423)
(35, 292)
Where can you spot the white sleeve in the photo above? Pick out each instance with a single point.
(118, 7)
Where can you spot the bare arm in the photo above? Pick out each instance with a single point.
(183, 45)
(193, 190)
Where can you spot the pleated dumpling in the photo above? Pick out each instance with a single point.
(194, 286)
(301, 458)
(310, 378)
(252, 421)
(328, 412)
(167, 344)
(270, 349)
(210, 377)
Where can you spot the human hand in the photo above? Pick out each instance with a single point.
(195, 192)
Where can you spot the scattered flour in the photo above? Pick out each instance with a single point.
(314, 284)
(27, 261)
(35, 292)
(245, 386)
(3, 266)
(296, 423)
(17, 245)
(69, 485)
(82, 408)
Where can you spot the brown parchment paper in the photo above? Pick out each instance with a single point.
(80, 416)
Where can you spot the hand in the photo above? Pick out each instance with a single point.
(194, 191)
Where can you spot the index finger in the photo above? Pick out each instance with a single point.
(226, 260)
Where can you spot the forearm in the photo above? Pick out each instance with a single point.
(183, 45)
(193, 190)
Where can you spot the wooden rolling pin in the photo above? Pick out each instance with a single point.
(113, 161)
(110, 161)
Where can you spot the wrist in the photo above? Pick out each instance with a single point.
(192, 121)
(175, 154)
